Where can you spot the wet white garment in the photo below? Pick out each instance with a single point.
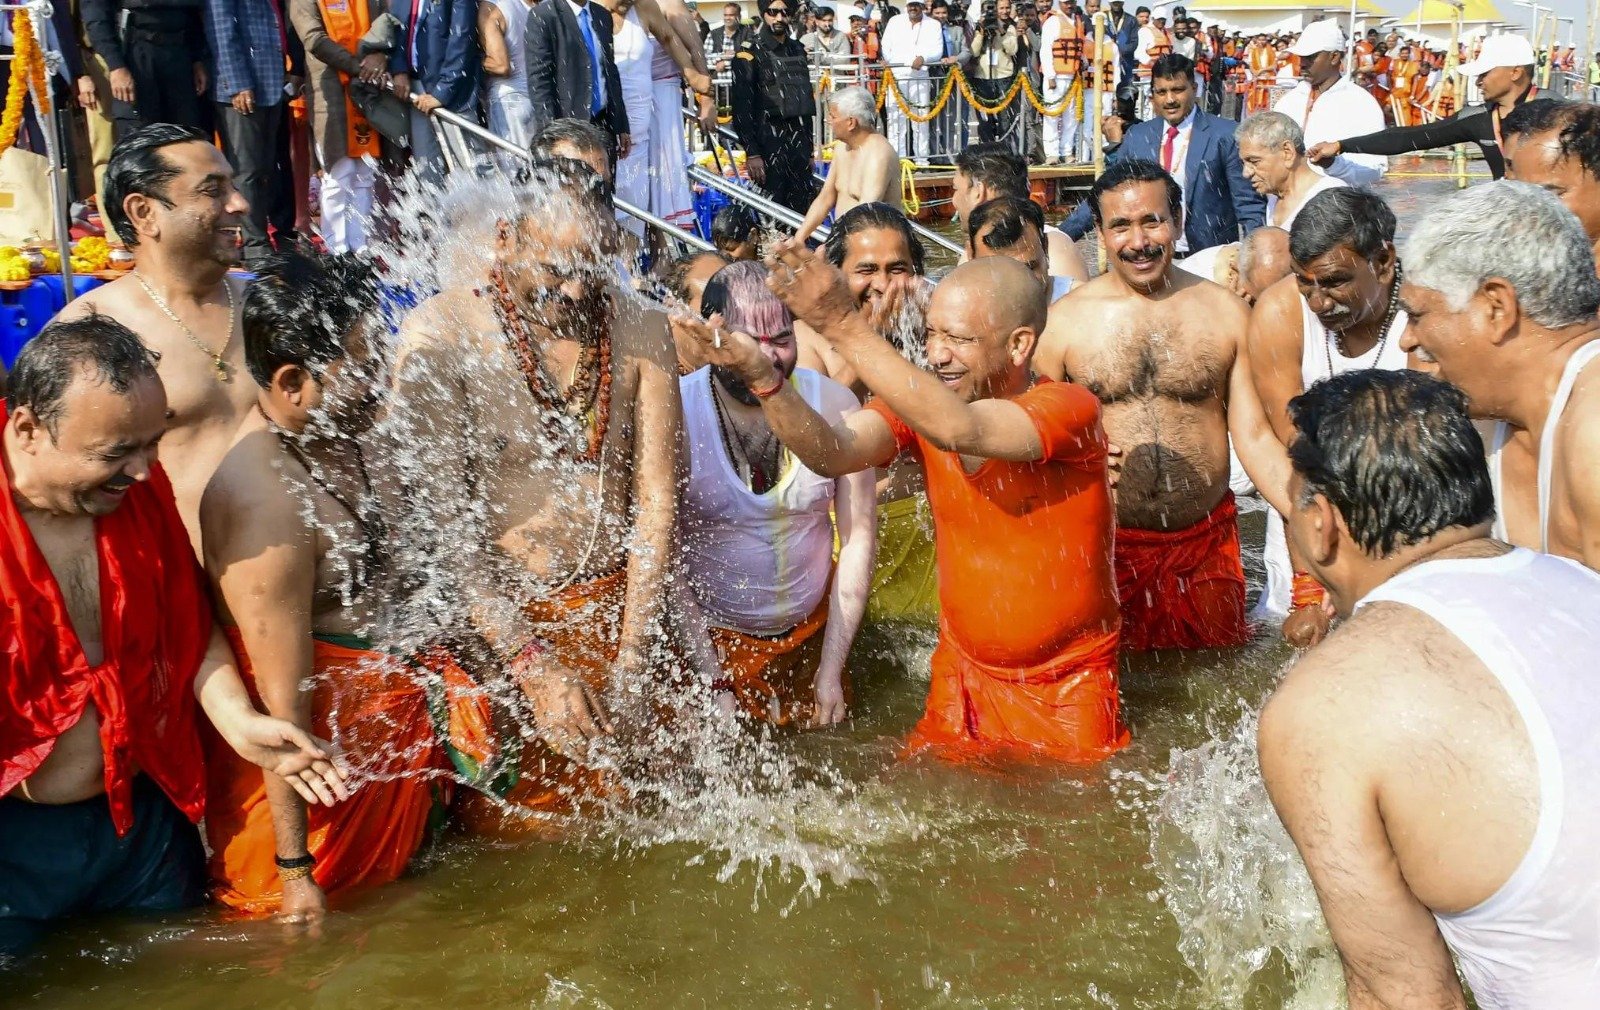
(1530, 619)
(1319, 359)
(515, 13)
(1060, 287)
(1547, 444)
(758, 563)
(1325, 182)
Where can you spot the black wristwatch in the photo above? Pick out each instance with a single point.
(297, 863)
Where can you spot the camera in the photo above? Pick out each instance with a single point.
(989, 23)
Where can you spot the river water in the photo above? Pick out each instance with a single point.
(1157, 879)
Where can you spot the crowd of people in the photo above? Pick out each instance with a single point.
(442, 552)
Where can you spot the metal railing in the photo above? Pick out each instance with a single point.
(474, 130)
(755, 200)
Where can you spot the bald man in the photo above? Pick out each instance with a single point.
(1016, 474)
(1165, 353)
(1263, 261)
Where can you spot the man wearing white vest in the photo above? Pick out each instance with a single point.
(1434, 759)
(755, 524)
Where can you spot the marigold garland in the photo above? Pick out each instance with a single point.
(27, 67)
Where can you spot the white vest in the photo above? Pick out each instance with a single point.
(758, 563)
(1547, 445)
(515, 13)
(1530, 619)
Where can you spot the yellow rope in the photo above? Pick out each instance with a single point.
(908, 187)
(956, 79)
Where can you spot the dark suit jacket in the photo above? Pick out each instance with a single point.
(1217, 200)
(719, 36)
(559, 81)
(449, 61)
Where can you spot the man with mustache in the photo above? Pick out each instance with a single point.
(109, 647)
(1016, 475)
(296, 547)
(555, 399)
(1340, 312)
(1433, 760)
(1164, 351)
(756, 529)
(1556, 145)
(170, 195)
(1510, 318)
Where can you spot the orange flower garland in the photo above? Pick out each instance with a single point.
(27, 66)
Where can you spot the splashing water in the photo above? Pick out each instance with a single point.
(1232, 878)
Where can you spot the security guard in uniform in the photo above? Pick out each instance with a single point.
(773, 109)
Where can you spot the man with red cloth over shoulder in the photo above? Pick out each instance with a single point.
(106, 644)
(1015, 466)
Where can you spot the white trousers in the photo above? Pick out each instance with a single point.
(633, 172)
(918, 92)
(669, 186)
(1060, 132)
(347, 203)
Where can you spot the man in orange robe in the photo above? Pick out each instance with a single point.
(1016, 477)
(1261, 59)
(298, 594)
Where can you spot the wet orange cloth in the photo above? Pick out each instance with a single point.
(580, 628)
(370, 705)
(779, 669)
(1183, 589)
(1028, 626)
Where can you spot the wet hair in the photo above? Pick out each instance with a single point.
(1577, 126)
(871, 217)
(677, 276)
(995, 166)
(137, 166)
(111, 353)
(739, 291)
(1004, 217)
(1394, 452)
(1461, 242)
(732, 225)
(1170, 65)
(300, 309)
(1126, 171)
(1272, 130)
(586, 137)
(1345, 216)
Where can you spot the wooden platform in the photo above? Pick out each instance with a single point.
(1058, 187)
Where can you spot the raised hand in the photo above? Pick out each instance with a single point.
(1322, 154)
(737, 352)
(814, 289)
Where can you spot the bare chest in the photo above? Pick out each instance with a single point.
(68, 546)
(1151, 362)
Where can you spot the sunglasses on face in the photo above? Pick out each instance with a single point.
(777, 12)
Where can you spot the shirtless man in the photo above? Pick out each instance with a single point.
(985, 171)
(1503, 298)
(1272, 150)
(1340, 311)
(1262, 261)
(1434, 759)
(170, 195)
(110, 643)
(556, 401)
(298, 595)
(1165, 353)
(1557, 145)
(865, 167)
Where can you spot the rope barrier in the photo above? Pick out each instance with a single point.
(27, 67)
(957, 79)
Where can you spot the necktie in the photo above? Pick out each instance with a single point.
(1166, 148)
(411, 36)
(597, 82)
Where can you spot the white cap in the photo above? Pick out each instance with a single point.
(1319, 37)
(1501, 51)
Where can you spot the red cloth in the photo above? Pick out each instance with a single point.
(1183, 589)
(1028, 601)
(155, 627)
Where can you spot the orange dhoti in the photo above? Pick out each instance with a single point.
(1183, 589)
(578, 629)
(1066, 708)
(773, 677)
(371, 705)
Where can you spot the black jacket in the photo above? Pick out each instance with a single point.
(559, 82)
(1474, 124)
(185, 18)
(771, 83)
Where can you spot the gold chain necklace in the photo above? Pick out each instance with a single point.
(224, 373)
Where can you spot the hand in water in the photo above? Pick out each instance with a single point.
(1307, 626)
(814, 289)
(737, 352)
(831, 709)
(304, 904)
(310, 765)
(566, 713)
(1322, 154)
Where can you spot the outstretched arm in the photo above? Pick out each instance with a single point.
(820, 207)
(815, 291)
